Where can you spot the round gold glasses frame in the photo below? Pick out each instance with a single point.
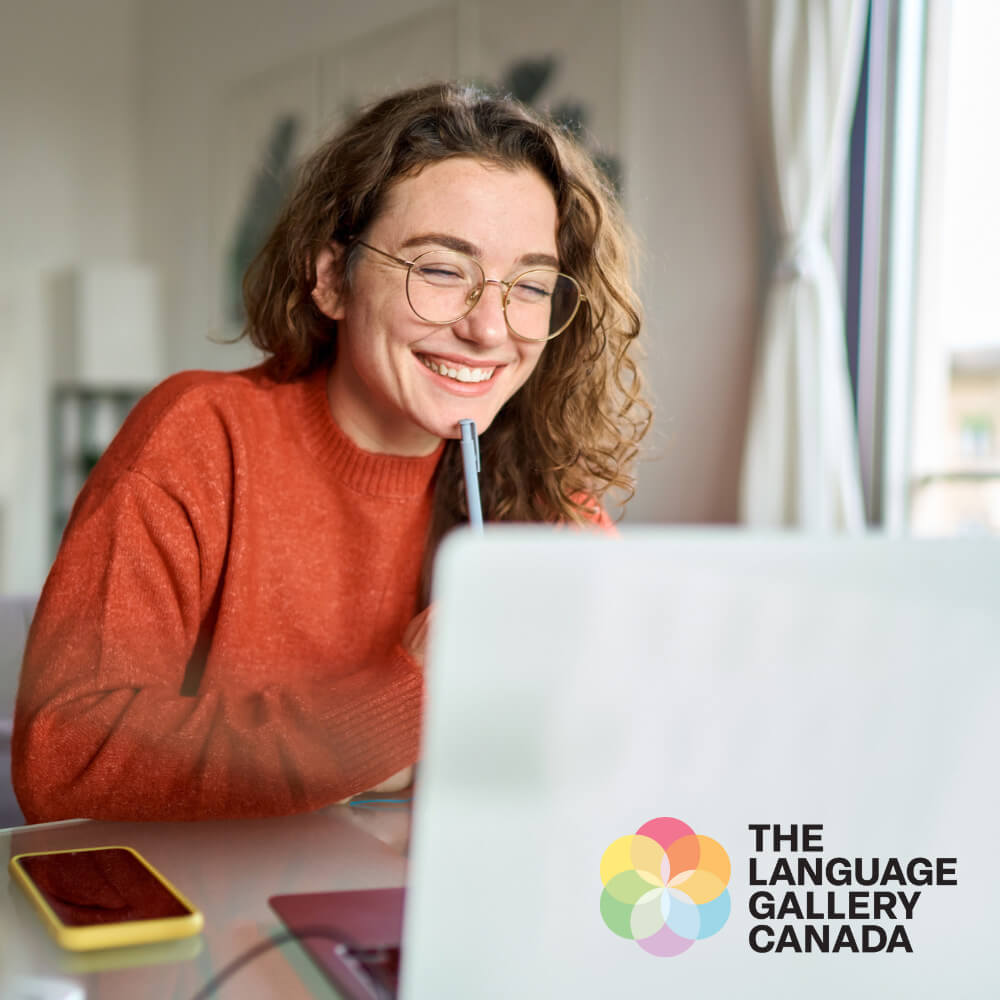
(476, 292)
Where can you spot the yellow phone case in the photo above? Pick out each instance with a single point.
(113, 935)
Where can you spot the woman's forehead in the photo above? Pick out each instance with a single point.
(491, 207)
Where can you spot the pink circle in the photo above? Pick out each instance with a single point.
(664, 943)
(665, 830)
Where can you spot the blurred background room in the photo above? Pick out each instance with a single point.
(812, 184)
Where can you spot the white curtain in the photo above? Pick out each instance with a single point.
(800, 465)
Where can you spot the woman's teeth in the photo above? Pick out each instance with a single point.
(461, 373)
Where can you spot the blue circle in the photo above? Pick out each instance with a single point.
(714, 915)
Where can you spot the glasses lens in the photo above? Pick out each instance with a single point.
(443, 286)
(542, 303)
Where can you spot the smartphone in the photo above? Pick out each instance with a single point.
(103, 897)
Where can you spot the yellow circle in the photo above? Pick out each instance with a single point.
(699, 886)
(642, 855)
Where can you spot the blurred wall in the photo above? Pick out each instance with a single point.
(69, 77)
(691, 193)
(110, 115)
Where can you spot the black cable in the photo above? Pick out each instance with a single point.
(381, 992)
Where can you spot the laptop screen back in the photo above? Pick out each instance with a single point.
(818, 714)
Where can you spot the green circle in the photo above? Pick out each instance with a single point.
(628, 887)
(617, 915)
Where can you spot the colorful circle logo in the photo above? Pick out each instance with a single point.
(665, 887)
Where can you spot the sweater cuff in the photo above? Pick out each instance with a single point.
(380, 735)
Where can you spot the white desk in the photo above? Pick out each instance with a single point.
(228, 869)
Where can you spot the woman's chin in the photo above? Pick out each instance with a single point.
(449, 428)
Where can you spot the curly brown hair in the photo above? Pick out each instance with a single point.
(572, 431)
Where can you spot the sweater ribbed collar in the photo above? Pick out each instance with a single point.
(390, 476)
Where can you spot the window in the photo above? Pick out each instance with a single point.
(956, 482)
(933, 335)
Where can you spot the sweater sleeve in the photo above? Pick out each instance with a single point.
(102, 729)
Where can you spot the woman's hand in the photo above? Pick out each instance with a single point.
(399, 781)
(414, 639)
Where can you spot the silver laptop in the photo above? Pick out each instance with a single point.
(708, 765)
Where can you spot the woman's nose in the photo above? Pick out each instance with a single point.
(485, 323)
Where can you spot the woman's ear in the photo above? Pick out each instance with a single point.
(328, 294)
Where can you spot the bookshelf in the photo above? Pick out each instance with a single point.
(83, 420)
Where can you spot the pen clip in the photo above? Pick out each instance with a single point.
(471, 436)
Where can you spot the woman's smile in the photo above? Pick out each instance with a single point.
(459, 370)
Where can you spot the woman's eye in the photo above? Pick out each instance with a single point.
(441, 273)
(530, 291)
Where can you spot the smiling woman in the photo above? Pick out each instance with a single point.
(239, 605)
(402, 381)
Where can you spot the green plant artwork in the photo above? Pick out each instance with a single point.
(271, 185)
(528, 79)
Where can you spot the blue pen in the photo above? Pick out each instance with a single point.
(470, 466)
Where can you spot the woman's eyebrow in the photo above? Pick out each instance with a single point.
(445, 240)
(539, 259)
(470, 249)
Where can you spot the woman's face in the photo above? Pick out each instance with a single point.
(389, 389)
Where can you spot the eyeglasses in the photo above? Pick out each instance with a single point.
(444, 286)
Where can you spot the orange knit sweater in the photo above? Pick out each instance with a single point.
(219, 635)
